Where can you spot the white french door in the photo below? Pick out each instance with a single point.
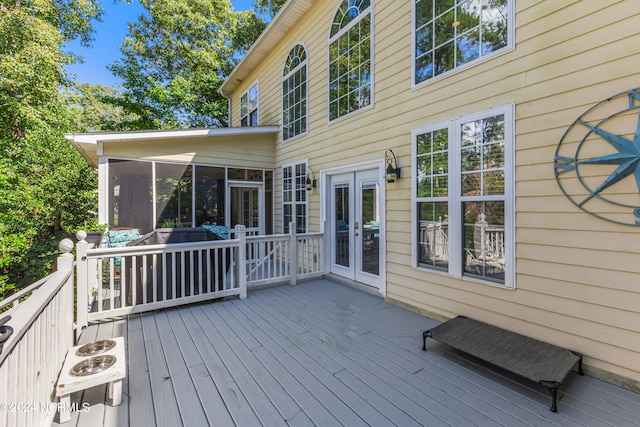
(246, 207)
(355, 223)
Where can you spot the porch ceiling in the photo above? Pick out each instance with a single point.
(89, 144)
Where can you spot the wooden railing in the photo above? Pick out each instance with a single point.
(32, 356)
(120, 281)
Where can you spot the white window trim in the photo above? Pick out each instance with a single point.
(455, 198)
(372, 59)
(293, 202)
(511, 45)
(306, 64)
(246, 93)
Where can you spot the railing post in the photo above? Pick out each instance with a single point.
(293, 257)
(65, 263)
(82, 288)
(241, 235)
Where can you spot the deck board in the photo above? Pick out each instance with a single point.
(229, 393)
(302, 362)
(324, 354)
(165, 403)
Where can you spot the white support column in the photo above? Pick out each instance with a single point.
(293, 257)
(104, 198)
(241, 235)
(82, 292)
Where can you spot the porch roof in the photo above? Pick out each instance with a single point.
(89, 145)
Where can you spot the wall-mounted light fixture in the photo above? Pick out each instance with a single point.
(393, 171)
(311, 182)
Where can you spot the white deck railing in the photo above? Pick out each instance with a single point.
(269, 258)
(32, 356)
(118, 281)
(133, 279)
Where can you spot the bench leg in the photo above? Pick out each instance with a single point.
(553, 389)
(425, 335)
(580, 371)
(114, 393)
(64, 407)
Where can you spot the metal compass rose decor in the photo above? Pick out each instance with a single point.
(597, 161)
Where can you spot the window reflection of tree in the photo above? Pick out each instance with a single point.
(350, 59)
(452, 33)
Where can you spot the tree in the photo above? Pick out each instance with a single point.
(176, 58)
(45, 187)
(93, 108)
(270, 7)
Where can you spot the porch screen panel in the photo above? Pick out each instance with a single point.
(210, 195)
(130, 194)
(173, 195)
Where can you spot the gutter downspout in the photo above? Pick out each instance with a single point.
(227, 96)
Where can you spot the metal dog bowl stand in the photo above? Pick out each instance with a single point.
(88, 366)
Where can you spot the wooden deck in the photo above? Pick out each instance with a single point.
(324, 354)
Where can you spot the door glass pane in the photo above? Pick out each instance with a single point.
(244, 207)
(370, 229)
(342, 224)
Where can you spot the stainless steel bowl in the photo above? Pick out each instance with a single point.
(94, 348)
(93, 365)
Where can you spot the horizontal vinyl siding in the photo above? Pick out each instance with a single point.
(247, 151)
(577, 276)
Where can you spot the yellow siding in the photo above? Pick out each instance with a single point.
(248, 151)
(578, 277)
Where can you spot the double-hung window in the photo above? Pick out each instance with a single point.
(350, 45)
(294, 196)
(452, 33)
(463, 197)
(249, 107)
(294, 93)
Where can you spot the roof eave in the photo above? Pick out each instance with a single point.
(275, 31)
(87, 143)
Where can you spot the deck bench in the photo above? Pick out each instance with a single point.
(112, 376)
(527, 357)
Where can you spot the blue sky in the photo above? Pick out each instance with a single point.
(109, 35)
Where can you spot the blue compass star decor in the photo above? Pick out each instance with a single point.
(597, 161)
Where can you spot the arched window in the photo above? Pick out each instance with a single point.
(350, 46)
(294, 93)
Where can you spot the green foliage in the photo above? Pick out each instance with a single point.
(175, 58)
(93, 108)
(270, 7)
(47, 191)
(46, 188)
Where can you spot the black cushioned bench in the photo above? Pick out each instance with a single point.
(535, 360)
